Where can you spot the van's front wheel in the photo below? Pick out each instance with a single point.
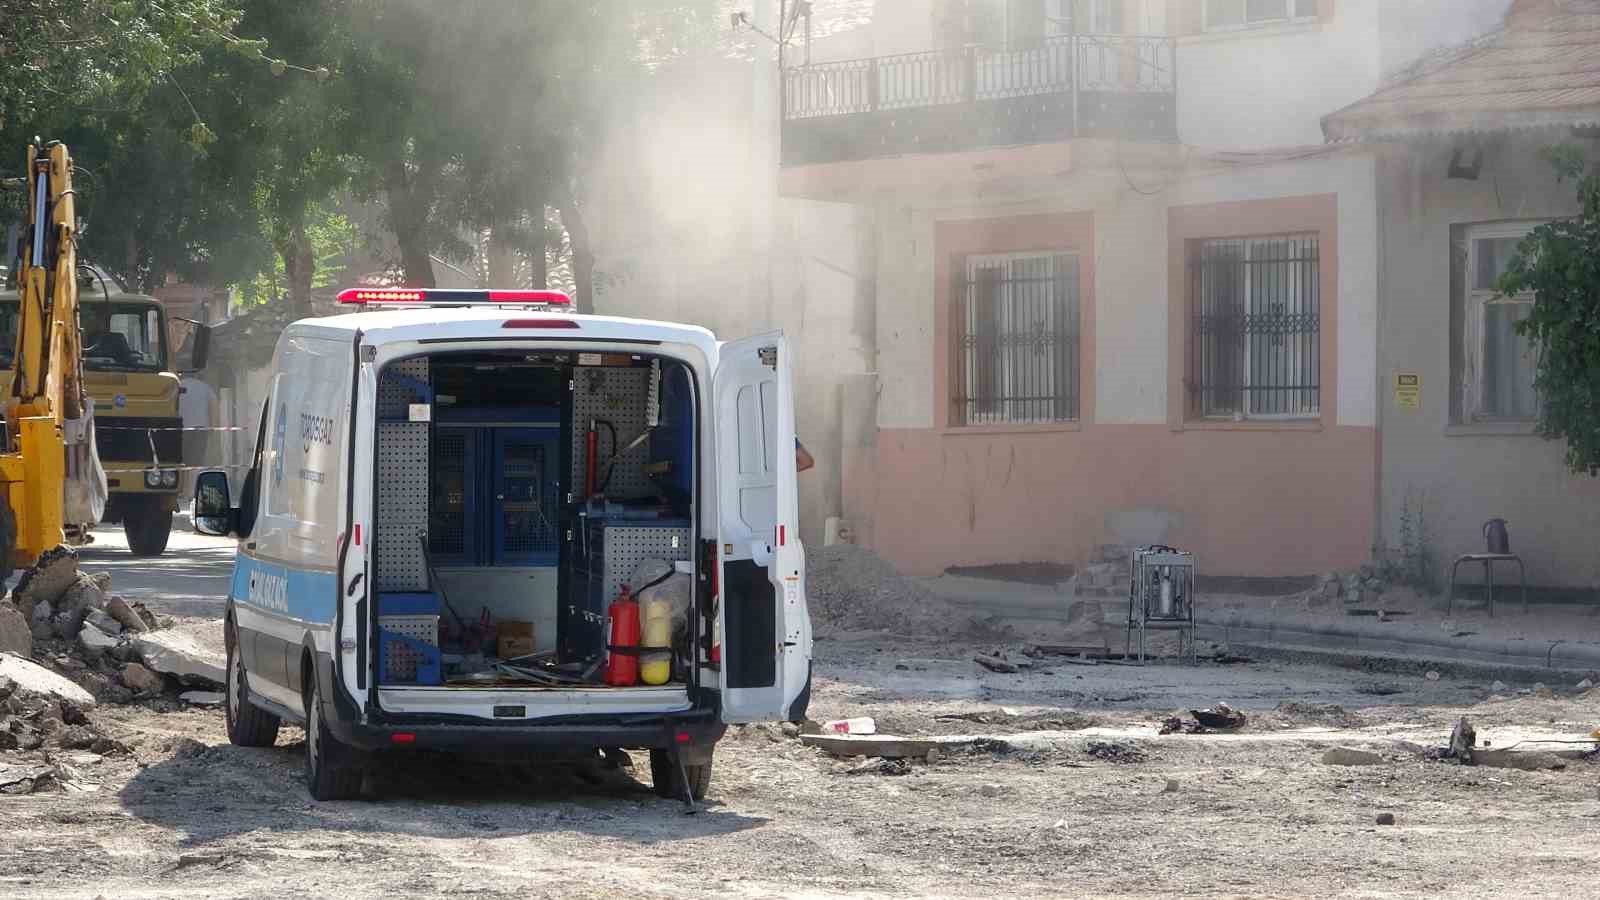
(667, 776)
(248, 724)
(330, 772)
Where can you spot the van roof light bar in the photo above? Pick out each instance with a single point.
(450, 297)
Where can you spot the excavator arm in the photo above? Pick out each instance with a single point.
(48, 426)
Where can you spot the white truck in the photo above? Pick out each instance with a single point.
(451, 492)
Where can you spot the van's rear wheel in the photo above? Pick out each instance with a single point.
(667, 776)
(248, 725)
(331, 772)
(147, 522)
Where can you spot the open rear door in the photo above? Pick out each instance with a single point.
(766, 633)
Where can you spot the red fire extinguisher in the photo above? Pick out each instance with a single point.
(623, 668)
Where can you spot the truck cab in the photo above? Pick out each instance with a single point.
(456, 495)
(129, 373)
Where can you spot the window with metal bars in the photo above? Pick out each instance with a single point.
(1255, 328)
(1016, 321)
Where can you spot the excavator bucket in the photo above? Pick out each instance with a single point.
(85, 491)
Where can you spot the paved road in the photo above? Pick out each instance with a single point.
(190, 579)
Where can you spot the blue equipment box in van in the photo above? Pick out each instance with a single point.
(408, 639)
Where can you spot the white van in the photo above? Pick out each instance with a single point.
(450, 490)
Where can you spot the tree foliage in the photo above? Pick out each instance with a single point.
(219, 137)
(1559, 263)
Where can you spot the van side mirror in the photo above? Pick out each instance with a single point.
(213, 509)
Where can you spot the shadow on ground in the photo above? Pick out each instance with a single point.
(227, 791)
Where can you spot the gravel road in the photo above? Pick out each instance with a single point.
(1085, 810)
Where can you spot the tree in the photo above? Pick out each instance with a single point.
(1559, 263)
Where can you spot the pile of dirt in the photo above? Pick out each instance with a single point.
(849, 588)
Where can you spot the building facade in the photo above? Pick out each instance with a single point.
(1123, 291)
(1462, 177)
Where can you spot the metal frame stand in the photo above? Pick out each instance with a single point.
(1146, 567)
(1488, 560)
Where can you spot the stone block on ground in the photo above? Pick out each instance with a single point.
(16, 636)
(47, 579)
(181, 653)
(138, 678)
(34, 678)
(126, 615)
(94, 641)
(211, 698)
(103, 621)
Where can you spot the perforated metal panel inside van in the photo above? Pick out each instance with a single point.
(619, 396)
(402, 514)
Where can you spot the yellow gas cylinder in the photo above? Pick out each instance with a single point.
(656, 615)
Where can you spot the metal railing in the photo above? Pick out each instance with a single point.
(1058, 65)
(1255, 328)
(1016, 332)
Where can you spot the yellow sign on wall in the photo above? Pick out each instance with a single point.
(1408, 390)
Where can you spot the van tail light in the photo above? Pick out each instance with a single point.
(403, 737)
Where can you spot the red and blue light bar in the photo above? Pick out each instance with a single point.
(450, 296)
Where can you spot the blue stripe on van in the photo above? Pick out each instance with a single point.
(282, 591)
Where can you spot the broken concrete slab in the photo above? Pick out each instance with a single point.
(201, 698)
(25, 779)
(103, 621)
(15, 634)
(32, 677)
(178, 653)
(94, 641)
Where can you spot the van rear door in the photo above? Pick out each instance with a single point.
(766, 633)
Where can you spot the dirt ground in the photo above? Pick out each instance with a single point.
(1076, 803)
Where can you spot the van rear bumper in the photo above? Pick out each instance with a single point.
(696, 728)
(692, 729)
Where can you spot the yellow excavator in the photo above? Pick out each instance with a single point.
(51, 478)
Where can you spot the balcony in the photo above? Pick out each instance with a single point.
(1074, 86)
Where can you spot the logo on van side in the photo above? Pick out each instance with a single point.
(315, 430)
(279, 432)
(270, 591)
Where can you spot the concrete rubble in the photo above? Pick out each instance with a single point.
(16, 635)
(40, 713)
(101, 644)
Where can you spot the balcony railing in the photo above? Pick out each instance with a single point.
(1080, 85)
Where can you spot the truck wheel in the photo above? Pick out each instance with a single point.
(8, 538)
(147, 525)
(330, 772)
(248, 725)
(667, 777)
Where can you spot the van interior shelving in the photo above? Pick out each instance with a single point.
(517, 494)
